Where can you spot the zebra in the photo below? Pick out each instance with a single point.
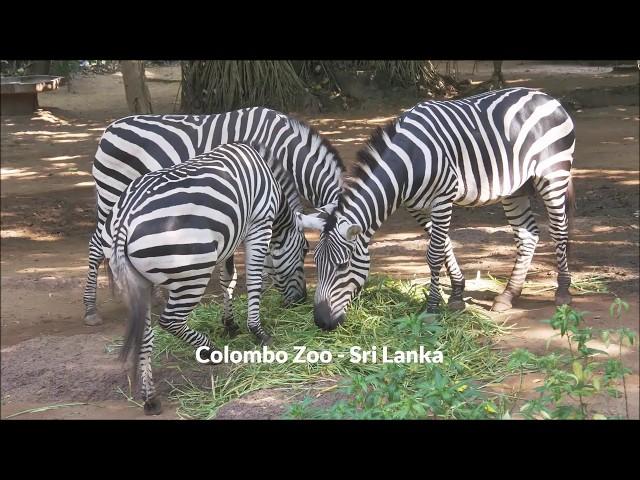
(133, 146)
(171, 227)
(499, 146)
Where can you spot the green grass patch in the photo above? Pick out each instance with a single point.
(385, 313)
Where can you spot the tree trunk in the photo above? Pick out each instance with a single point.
(39, 67)
(497, 80)
(135, 86)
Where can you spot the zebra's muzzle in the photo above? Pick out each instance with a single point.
(323, 319)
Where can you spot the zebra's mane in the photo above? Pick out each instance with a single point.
(366, 157)
(312, 133)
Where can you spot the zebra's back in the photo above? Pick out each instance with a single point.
(495, 141)
(190, 216)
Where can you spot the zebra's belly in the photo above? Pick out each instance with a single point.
(494, 195)
(478, 203)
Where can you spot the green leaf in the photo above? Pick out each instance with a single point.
(577, 370)
(489, 408)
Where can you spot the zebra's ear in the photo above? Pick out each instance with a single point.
(349, 231)
(329, 208)
(314, 221)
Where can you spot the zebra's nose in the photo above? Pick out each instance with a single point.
(322, 316)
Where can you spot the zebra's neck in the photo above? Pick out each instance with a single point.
(313, 166)
(377, 188)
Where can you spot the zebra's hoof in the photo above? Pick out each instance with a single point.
(92, 319)
(563, 298)
(153, 406)
(456, 305)
(266, 340)
(231, 330)
(215, 362)
(501, 303)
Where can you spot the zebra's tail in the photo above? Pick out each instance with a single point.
(136, 291)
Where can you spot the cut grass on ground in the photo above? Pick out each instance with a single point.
(384, 314)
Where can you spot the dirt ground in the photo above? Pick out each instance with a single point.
(47, 204)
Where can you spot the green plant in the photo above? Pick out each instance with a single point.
(223, 85)
(452, 389)
(571, 380)
(615, 369)
(395, 392)
(65, 68)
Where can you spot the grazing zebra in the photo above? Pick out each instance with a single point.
(499, 146)
(171, 227)
(135, 145)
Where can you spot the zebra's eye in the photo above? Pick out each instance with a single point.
(343, 266)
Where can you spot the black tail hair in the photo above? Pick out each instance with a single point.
(136, 291)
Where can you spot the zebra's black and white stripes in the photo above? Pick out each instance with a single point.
(171, 227)
(303, 161)
(498, 146)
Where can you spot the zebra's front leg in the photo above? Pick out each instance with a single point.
(526, 233)
(456, 301)
(96, 255)
(256, 246)
(228, 281)
(440, 221)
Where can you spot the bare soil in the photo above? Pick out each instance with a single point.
(47, 204)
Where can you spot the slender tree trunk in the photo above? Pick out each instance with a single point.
(497, 79)
(135, 86)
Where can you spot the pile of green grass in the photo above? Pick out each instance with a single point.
(385, 313)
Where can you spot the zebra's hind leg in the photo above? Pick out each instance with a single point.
(183, 298)
(158, 298)
(228, 280)
(456, 301)
(558, 202)
(91, 316)
(268, 274)
(526, 233)
(152, 403)
(256, 246)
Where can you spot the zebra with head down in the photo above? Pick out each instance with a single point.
(305, 164)
(498, 146)
(171, 227)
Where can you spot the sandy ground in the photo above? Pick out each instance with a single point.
(47, 203)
